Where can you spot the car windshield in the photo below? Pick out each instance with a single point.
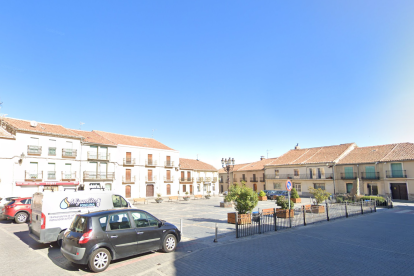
(79, 224)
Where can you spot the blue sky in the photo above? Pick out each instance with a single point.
(214, 78)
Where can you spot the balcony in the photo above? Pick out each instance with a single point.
(168, 179)
(396, 174)
(90, 175)
(253, 179)
(101, 156)
(34, 150)
(51, 175)
(52, 151)
(207, 179)
(169, 164)
(214, 180)
(68, 176)
(199, 179)
(262, 179)
(221, 180)
(186, 179)
(370, 175)
(69, 153)
(150, 163)
(129, 180)
(129, 161)
(33, 176)
(243, 179)
(349, 175)
(150, 179)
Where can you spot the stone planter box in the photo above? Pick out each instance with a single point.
(243, 218)
(158, 200)
(317, 209)
(262, 198)
(186, 198)
(226, 204)
(285, 213)
(296, 200)
(207, 197)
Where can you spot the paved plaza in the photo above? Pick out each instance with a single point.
(373, 244)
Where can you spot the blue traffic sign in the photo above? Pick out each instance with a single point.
(288, 185)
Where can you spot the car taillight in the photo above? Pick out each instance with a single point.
(43, 222)
(11, 206)
(85, 237)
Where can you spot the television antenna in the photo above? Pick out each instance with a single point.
(268, 153)
(80, 125)
(153, 133)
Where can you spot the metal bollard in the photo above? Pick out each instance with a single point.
(327, 211)
(237, 225)
(362, 207)
(304, 215)
(215, 240)
(375, 206)
(346, 208)
(275, 218)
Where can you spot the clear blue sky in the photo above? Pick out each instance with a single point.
(214, 78)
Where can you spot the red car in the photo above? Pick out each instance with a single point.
(19, 209)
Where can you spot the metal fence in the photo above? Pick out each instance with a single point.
(273, 219)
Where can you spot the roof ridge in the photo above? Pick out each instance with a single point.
(125, 135)
(34, 121)
(395, 146)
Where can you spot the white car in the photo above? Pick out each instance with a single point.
(3, 202)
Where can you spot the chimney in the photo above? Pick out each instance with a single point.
(262, 157)
(297, 146)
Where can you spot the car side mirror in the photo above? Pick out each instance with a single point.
(160, 223)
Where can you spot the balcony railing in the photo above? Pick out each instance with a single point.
(68, 176)
(262, 179)
(169, 179)
(150, 162)
(199, 179)
(92, 155)
(129, 180)
(253, 179)
(129, 161)
(214, 180)
(186, 179)
(396, 174)
(34, 150)
(169, 163)
(300, 176)
(370, 175)
(150, 178)
(51, 175)
(70, 153)
(221, 180)
(33, 176)
(90, 175)
(243, 179)
(52, 151)
(349, 175)
(207, 179)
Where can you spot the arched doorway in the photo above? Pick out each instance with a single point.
(128, 191)
(255, 187)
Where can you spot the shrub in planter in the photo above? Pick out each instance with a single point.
(262, 196)
(158, 199)
(186, 197)
(295, 196)
(208, 195)
(283, 212)
(319, 195)
(244, 198)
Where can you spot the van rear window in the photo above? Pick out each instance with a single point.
(79, 224)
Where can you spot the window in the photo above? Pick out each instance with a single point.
(296, 172)
(277, 172)
(108, 187)
(349, 188)
(52, 147)
(102, 222)
(33, 170)
(319, 186)
(198, 188)
(51, 173)
(372, 189)
(244, 177)
(298, 187)
(277, 186)
(349, 172)
(119, 201)
(142, 219)
(322, 171)
(79, 224)
(119, 221)
(396, 170)
(310, 173)
(184, 188)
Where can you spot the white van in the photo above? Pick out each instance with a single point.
(53, 212)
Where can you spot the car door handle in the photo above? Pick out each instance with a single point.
(139, 233)
(114, 237)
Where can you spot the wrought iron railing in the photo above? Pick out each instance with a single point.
(186, 179)
(68, 176)
(262, 179)
(33, 176)
(253, 179)
(129, 161)
(51, 175)
(150, 162)
(128, 180)
(199, 179)
(214, 180)
(69, 152)
(168, 179)
(396, 174)
(98, 156)
(370, 175)
(150, 178)
(168, 163)
(91, 175)
(349, 175)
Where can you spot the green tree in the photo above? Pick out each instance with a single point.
(244, 198)
(294, 193)
(319, 194)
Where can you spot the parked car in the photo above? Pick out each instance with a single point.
(271, 193)
(3, 202)
(99, 237)
(18, 209)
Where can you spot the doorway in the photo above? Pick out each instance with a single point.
(128, 191)
(255, 187)
(191, 189)
(150, 191)
(399, 191)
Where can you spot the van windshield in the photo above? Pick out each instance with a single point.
(79, 224)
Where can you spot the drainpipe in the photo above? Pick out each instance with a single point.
(333, 177)
(80, 162)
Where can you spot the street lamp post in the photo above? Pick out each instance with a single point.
(227, 165)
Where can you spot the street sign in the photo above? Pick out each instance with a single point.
(288, 185)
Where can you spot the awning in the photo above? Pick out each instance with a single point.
(46, 183)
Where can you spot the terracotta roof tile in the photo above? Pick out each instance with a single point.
(380, 153)
(120, 139)
(92, 137)
(255, 166)
(41, 128)
(5, 134)
(191, 164)
(312, 155)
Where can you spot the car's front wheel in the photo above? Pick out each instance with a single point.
(21, 217)
(99, 260)
(169, 244)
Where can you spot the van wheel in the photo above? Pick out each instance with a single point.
(20, 217)
(169, 244)
(99, 260)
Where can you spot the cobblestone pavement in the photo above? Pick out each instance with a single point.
(379, 243)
